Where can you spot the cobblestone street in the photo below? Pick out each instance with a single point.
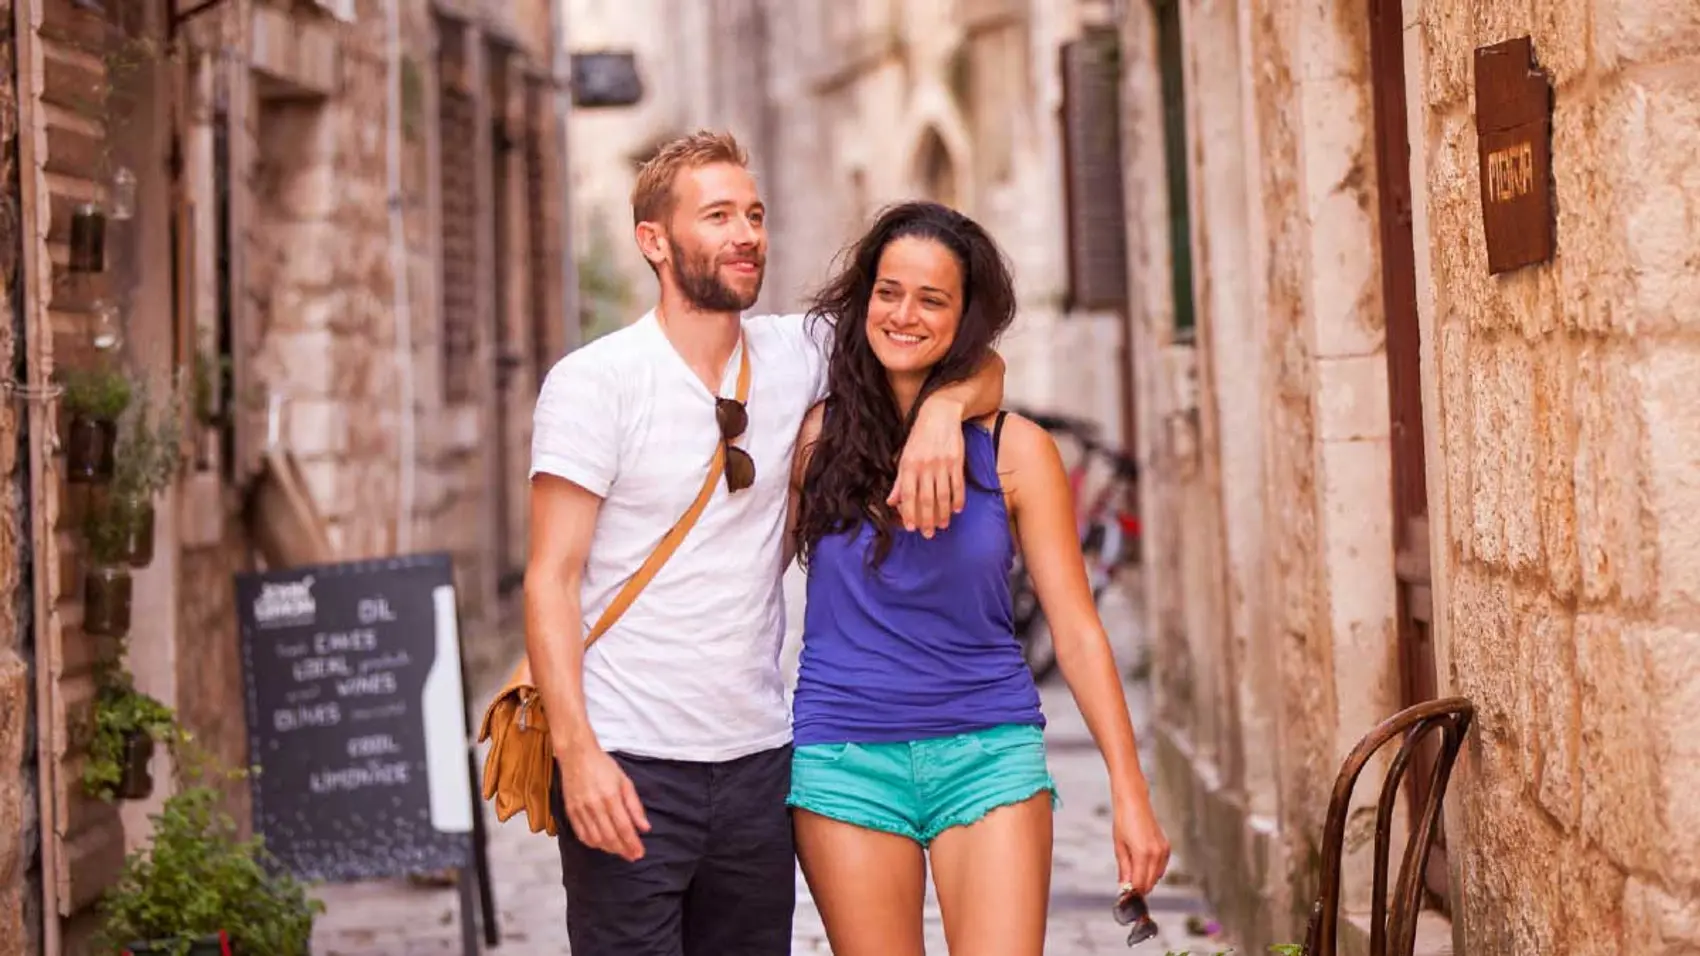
(400, 919)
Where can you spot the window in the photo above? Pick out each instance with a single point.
(1092, 178)
(1169, 57)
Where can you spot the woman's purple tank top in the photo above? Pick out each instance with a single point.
(921, 646)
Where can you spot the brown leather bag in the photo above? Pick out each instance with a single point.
(517, 770)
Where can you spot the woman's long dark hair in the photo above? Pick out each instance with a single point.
(854, 462)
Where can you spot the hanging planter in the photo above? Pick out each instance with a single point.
(127, 725)
(88, 450)
(149, 453)
(88, 239)
(138, 541)
(121, 520)
(94, 398)
(107, 599)
(136, 779)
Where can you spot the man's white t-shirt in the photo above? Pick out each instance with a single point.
(691, 670)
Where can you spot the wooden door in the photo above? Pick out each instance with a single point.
(1404, 382)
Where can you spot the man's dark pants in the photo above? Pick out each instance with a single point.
(717, 877)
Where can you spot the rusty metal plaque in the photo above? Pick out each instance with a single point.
(1514, 144)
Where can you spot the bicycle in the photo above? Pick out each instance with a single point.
(1109, 536)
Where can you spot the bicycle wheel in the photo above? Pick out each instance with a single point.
(1032, 634)
(1038, 649)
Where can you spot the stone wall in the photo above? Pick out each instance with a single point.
(1568, 481)
(20, 888)
(1264, 432)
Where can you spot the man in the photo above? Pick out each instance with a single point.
(671, 734)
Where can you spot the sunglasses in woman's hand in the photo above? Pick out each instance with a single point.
(1131, 912)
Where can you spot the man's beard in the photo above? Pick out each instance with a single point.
(699, 282)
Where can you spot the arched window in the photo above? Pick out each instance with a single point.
(935, 171)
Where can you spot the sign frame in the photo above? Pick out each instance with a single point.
(1514, 105)
(299, 630)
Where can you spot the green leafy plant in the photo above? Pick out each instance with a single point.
(147, 458)
(101, 394)
(196, 877)
(150, 449)
(120, 712)
(208, 373)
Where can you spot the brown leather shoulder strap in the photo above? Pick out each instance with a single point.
(677, 533)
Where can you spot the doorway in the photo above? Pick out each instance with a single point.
(1418, 678)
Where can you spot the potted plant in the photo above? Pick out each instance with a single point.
(127, 723)
(148, 455)
(109, 534)
(198, 889)
(95, 398)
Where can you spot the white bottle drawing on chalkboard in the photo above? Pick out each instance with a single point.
(444, 711)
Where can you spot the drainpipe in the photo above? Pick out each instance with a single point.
(562, 68)
(404, 357)
(37, 390)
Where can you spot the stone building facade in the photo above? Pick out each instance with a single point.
(847, 105)
(348, 216)
(1378, 473)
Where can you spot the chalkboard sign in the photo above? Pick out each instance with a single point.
(357, 718)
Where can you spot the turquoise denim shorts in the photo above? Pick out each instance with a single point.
(920, 788)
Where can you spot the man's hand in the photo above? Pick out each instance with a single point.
(602, 804)
(930, 485)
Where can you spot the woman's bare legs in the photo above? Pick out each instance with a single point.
(868, 885)
(994, 880)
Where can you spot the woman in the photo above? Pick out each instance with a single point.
(917, 724)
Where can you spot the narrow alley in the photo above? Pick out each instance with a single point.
(398, 918)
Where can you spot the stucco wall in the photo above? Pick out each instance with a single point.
(1569, 478)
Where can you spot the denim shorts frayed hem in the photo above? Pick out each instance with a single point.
(919, 789)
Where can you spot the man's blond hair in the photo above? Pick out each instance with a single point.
(652, 195)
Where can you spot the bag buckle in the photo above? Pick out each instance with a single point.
(524, 711)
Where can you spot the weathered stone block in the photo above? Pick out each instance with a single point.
(308, 357)
(1672, 667)
(14, 711)
(1593, 276)
(309, 192)
(1351, 401)
(1590, 894)
(1645, 31)
(1555, 370)
(1670, 394)
(1612, 518)
(1620, 807)
(1456, 434)
(1515, 452)
(1483, 650)
(314, 252)
(1561, 34)
(1357, 535)
(1652, 121)
(1556, 721)
(1657, 922)
(1450, 28)
(1339, 164)
(1510, 850)
(317, 426)
(1488, 470)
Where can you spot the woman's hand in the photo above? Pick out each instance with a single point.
(1142, 851)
